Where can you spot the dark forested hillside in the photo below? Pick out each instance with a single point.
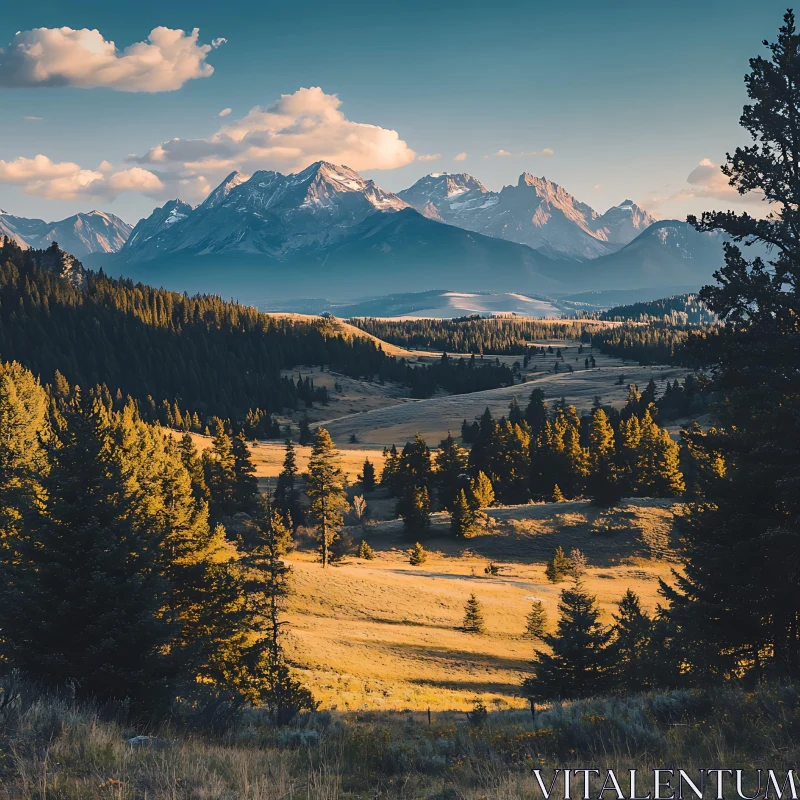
(206, 356)
(474, 334)
(681, 309)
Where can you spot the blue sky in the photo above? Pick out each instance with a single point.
(612, 100)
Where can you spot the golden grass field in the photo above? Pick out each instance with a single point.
(383, 634)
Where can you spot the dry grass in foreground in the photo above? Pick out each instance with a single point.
(53, 748)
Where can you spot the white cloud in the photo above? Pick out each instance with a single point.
(705, 181)
(66, 180)
(545, 151)
(224, 112)
(430, 157)
(84, 59)
(288, 135)
(215, 43)
(460, 157)
(34, 119)
(502, 154)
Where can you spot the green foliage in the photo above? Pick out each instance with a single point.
(559, 566)
(463, 518)
(630, 653)
(478, 715)
(735, 608)
(416, 511)
(287, 494)
(576, 664)
(481, 491)
(365, 551)
(473, 616)
(452, 463)
(536, 621)
(325, 490)
(367, 476)
(418, 555)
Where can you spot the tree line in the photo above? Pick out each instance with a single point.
(186, 359)
(116, 576)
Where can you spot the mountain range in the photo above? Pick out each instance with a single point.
(81, 234)
(328, 232)
(535, 212)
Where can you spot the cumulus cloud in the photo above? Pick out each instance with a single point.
(224, 112)
(287, 136)
(430, 157)
(502, 154)
(84, 59)
(66, 180)
(705, 181)
(460, 157)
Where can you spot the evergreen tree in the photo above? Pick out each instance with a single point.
(367, 476)
(629, 651)
(536, 621)
(736, 604)
(418, 555)
(576, 665)
(416, 511)
(658, 471)
(287, 496)
(452, 463)
(267, 590)
(80, 597)
(193, 464)
(391, 467)
(219, 463)
(245, 484)
(558, 567)
(481, 491)
(24, 429)
(365, 551)
(473, 616)
(603, 483)
(536, 412)
(325, 490)
(558, 495)
(463, 518)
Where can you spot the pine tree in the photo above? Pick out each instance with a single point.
(736, 604)
(576, 665)
(416, 510)
(367, 476)
(365, 551)
(658, 470)
(80, 597)
(473, 616)
(287, 496)
(558, 567)
(536, 412)
(536, 621)
(245, 484)
(194, 466)
(325, 490)
(481, 492)
(219, 463)
(391, 466)
(603, 480)
(558, 495)
(463, 518)
(24, 429)
(452, 463)
(267, 589)
(418, 555)
(629, 651)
